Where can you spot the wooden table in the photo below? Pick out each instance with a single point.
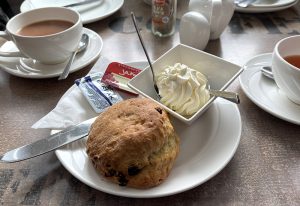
(265, 169)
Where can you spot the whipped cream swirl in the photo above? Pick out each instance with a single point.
(182, 89)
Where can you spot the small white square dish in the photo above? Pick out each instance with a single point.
(219, 72)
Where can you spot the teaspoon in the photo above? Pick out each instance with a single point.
(267, 71)
(230, 96)
(146, 53)
(82, 46)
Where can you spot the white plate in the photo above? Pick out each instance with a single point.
(206, 147)
(267, 6)
(265, 93)
(89, 13)
(34, 70)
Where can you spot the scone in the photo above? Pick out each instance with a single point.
(133, 143)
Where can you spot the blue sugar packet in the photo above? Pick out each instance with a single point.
(98, 94)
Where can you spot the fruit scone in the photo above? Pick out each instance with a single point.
(133, 143)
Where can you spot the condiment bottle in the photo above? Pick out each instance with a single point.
(163, 17)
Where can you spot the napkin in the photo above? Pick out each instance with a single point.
(72, 108)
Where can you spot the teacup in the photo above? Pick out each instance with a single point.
(285, 56)
(61, 27)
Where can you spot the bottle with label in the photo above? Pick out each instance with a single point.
(163, 17)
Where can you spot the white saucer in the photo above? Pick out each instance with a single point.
(262, 6)
(28, 68)
(89, 13)
(265, 93)
(206, 147)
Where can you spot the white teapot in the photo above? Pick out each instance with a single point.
(220, 21)
(217, 12)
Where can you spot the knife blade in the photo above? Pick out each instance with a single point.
(82, 3)
(34, 5)
(49, 143)
(244, 3)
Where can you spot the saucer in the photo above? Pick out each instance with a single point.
(262, 6)
(29, 68)
(89, 12)
(264, 91)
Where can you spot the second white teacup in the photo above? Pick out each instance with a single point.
(48, 35)
(286, 67)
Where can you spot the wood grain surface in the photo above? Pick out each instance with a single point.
(265, 169)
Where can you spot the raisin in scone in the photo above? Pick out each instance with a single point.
(133, 143)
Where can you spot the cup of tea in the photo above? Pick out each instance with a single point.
(48, 35)
(286, 67)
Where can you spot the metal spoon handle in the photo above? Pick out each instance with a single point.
(144, 48)
(267, 71)
(82, 45)
(66, 71)
(140, 37)
(230, 96)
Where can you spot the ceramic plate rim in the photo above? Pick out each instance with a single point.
(119, 4)
(254, 9)
(276, 4)
(254, 98)
(235, 129)
(51, 75)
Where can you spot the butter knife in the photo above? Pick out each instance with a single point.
(49, 143)
(244, 3)
(33, 6)
(82, 3)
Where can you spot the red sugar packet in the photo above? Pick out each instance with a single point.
(118, 75)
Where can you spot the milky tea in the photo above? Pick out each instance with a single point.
(44, 28)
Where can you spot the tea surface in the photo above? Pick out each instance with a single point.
(44, 28)
(294, 60)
